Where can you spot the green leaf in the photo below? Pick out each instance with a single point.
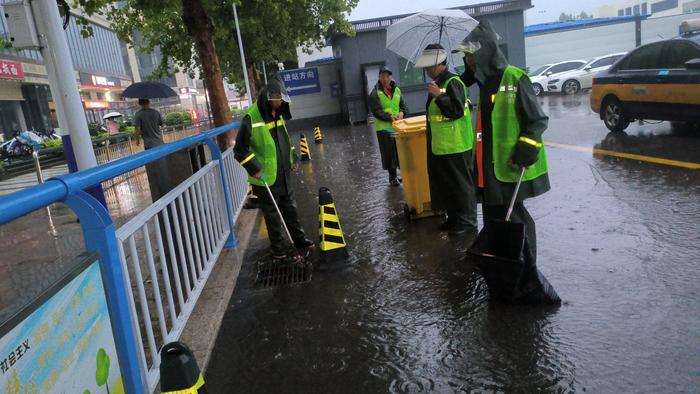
(102, 372)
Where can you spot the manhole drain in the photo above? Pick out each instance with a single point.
(273, 274)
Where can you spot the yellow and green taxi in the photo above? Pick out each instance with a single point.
(657, 81)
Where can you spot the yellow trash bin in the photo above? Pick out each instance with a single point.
(413, 161)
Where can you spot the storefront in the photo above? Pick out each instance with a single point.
(101, 95)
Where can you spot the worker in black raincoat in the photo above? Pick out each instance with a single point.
(450, 139)
(387, 105)
(264, 149)
(512, 123)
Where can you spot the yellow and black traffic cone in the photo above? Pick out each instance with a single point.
(332, 241)
(252, 201)
(318, 136)
(179, 372)
(304, 149)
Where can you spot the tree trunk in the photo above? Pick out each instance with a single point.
(201, 29)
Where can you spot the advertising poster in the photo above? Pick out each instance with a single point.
(64, 343)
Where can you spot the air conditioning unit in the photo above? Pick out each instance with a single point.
(20, 23)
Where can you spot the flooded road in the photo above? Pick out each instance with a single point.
(618, 240)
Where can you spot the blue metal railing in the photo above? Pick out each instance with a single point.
(100, 233)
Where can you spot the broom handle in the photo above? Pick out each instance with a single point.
(515, 194)
(278, 212)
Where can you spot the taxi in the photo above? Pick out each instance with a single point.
(657, 81)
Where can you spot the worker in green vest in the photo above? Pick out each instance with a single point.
(450, 140)
(387, 105)
(512, 123)
(264, 149)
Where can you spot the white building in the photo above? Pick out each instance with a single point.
(654, 8)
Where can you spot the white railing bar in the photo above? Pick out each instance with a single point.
(209, 219)
(154, 281)
(135, 223)
(145, 314)
(186, 230)
(134, 314)
(198, 225)
(171, 250)
(164, 265)
(205, 216)
(215, 191)
(194, 242)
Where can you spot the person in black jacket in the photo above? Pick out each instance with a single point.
(263, 148)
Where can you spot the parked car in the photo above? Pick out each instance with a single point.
(540, 77)
(658, 81)
(572, 82)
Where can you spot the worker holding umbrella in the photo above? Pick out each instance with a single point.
(450, 140)
(513, 166)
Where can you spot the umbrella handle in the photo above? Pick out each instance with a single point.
(515, 194)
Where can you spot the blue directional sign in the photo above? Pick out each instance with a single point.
(301, 81)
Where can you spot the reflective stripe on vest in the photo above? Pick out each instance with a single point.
(190, 390)
(448, 135)
(263, 147)
(506, 131)
(390, 106)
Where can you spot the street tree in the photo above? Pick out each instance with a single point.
(200, 35)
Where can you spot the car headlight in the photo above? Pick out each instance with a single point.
(553, 80)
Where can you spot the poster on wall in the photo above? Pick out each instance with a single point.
(63, 342)
(301, 81)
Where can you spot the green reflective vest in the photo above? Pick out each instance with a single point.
(390, 106)
(450, 136)
(263, 147)
(506, 130)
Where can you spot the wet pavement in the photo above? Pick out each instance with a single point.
(617, 238)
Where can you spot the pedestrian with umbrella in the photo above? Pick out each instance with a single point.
(450, 137)
(147, 121)
(513, 168)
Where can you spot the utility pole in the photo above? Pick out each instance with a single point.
(64, 90)
(243, 63)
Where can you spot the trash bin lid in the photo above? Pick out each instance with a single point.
(413, 124)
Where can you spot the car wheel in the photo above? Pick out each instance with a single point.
(571, 87)
(613, 116)
(537, 88)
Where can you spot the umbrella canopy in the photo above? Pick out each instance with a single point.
(410, 35)
(148, 90)
(112, 115)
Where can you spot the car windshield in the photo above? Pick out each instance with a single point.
(539, 70)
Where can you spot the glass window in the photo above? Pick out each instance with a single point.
(411, 75)
(539, 71)
(644, 58)
(606, 61)
(678, 53)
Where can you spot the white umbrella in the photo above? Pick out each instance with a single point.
(112, 115)
(410, 35)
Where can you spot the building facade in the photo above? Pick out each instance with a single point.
(361, 56)
(653, 8)
(100, 70)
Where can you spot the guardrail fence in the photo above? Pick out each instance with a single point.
(156, 265)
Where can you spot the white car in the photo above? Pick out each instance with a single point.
(540, 77)
(574, 81)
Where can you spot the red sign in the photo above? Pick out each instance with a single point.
(11, 70)
(95, 104)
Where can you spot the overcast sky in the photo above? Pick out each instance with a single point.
(543, 11)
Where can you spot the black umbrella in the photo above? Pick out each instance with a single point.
(148, 90)
(499, 252)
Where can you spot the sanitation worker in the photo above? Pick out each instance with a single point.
(450, 139)
(264, 149)
(512, 123)
(387, 105)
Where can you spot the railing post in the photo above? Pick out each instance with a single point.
(100, 236)
(131, 147)
(37, 167)
(216, 155)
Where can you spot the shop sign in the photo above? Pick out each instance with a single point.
(96, 104)
(102, 81)
(11, 70)
(63, 342)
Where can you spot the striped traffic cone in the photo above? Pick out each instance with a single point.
(318, 136)
(304, 148)
(332, 241)
(179, 372)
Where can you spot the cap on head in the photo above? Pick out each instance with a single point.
(432, 55)
(385, 69)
